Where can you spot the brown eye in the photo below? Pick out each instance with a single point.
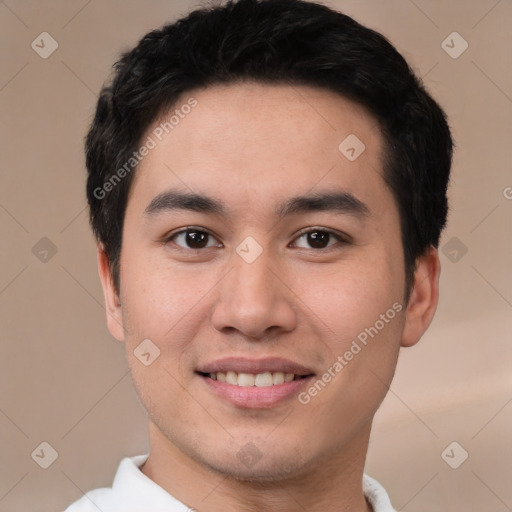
(318, 239)
(193, 239)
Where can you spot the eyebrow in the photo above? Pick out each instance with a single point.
(339, 201)
(172, 200)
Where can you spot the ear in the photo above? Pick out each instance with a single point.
(423, 299)
(112, 302)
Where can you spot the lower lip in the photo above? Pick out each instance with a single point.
(254, 397)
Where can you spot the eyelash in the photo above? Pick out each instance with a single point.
(341, 238)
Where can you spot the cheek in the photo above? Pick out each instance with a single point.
(167, 306)
(363, 355)
(156, 299)
(354, 295)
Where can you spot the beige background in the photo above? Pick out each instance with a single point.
(64, 380)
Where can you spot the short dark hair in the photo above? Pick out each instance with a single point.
(280, 42)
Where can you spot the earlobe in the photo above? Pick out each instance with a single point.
(112, 302)
(423, 298)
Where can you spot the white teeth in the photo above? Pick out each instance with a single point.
(245, 380)
(277, 378)
(261, 380)
(232, 378)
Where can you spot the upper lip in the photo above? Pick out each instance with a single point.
(246, 365)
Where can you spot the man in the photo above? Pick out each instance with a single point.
(267, 185)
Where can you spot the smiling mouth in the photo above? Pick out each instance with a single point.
(261, 380)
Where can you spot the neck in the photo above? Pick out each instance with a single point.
(331, 483)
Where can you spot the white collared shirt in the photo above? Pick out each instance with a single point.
(133, 491)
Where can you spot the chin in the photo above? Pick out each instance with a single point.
(270, 472)
(248, 464)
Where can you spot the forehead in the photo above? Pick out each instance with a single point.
(254, 143)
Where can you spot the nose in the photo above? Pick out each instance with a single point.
(254, 300)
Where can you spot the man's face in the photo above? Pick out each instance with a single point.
(248, 290)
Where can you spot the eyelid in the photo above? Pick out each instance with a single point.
(342, 237)
(169, 236)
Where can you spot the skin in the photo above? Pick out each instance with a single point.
(253, 146)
